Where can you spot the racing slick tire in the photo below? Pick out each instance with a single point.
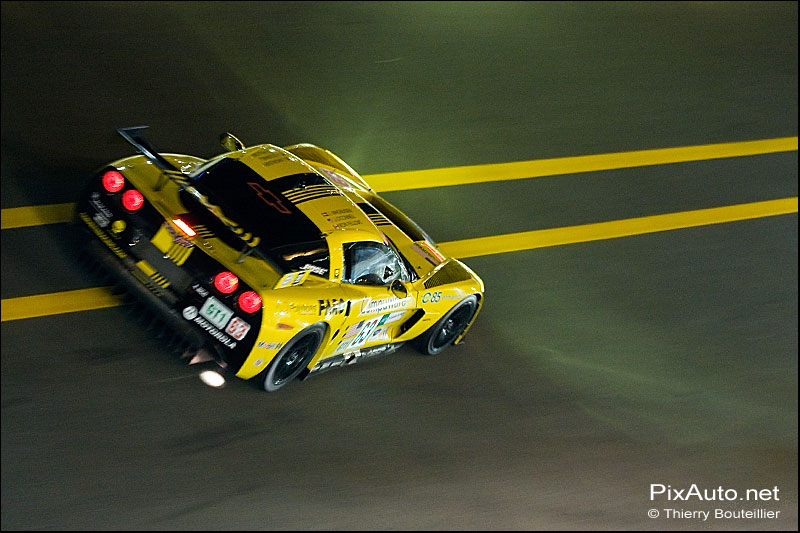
(448, 328)
(293, 358)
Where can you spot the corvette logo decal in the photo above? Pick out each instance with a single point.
(269, 197)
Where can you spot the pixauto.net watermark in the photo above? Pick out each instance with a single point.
(748, 506)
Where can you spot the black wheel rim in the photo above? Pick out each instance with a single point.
(293, 360)
(452, 327)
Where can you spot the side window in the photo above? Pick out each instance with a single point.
(371, 263)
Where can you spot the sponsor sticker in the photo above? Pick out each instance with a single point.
(366, 330)
(370, 306)
(269, 345)
(303, 309)
(199, 289)
(238, 328)
(216, 312)
(100, 206)
(190, 313)
(332, 307)
(394, 317)
(352, 330)
(101, 220)
(319, 271)
(293, 278)
(380, 333)
(347, 224)
(431, 297)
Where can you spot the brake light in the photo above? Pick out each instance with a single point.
(184, 227)
(226, 282)
(249, 302)
(113, 181)
(132, 200)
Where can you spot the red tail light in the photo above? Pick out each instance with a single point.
(226, 282)
(113, 181)
(249, 302)
(184, 227)
(132, 199)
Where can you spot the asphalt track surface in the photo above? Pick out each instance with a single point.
(595, 369)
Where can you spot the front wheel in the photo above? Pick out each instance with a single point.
(449, 327)
(293, 358)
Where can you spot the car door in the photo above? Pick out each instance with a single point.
(376, 283)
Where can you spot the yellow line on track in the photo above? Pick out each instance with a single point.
(100, 297)
(19, 217)
(529, 240)
(37, 215)
(443, 177)
(58, 303)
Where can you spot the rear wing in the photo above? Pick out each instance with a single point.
(135, 136)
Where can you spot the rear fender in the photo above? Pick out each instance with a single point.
(330, 165)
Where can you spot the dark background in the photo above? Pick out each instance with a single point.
(594, 369)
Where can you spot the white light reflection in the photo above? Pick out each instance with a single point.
(212, 379)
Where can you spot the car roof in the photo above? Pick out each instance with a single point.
(291, 196)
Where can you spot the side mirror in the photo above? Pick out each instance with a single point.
(368, 279)
(398, 289)
(230, 142)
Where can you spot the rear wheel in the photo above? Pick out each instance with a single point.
(449, 327)
(293, 358)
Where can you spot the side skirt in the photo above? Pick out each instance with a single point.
(350, 358)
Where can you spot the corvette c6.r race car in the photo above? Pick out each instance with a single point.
(278, 262)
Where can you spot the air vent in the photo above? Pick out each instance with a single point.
(450, 272)
(379, 220)
(311, 192)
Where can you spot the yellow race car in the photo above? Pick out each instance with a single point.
(280, 263)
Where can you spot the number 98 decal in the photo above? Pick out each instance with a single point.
(431, 297)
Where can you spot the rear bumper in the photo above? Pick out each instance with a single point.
(164, 318)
